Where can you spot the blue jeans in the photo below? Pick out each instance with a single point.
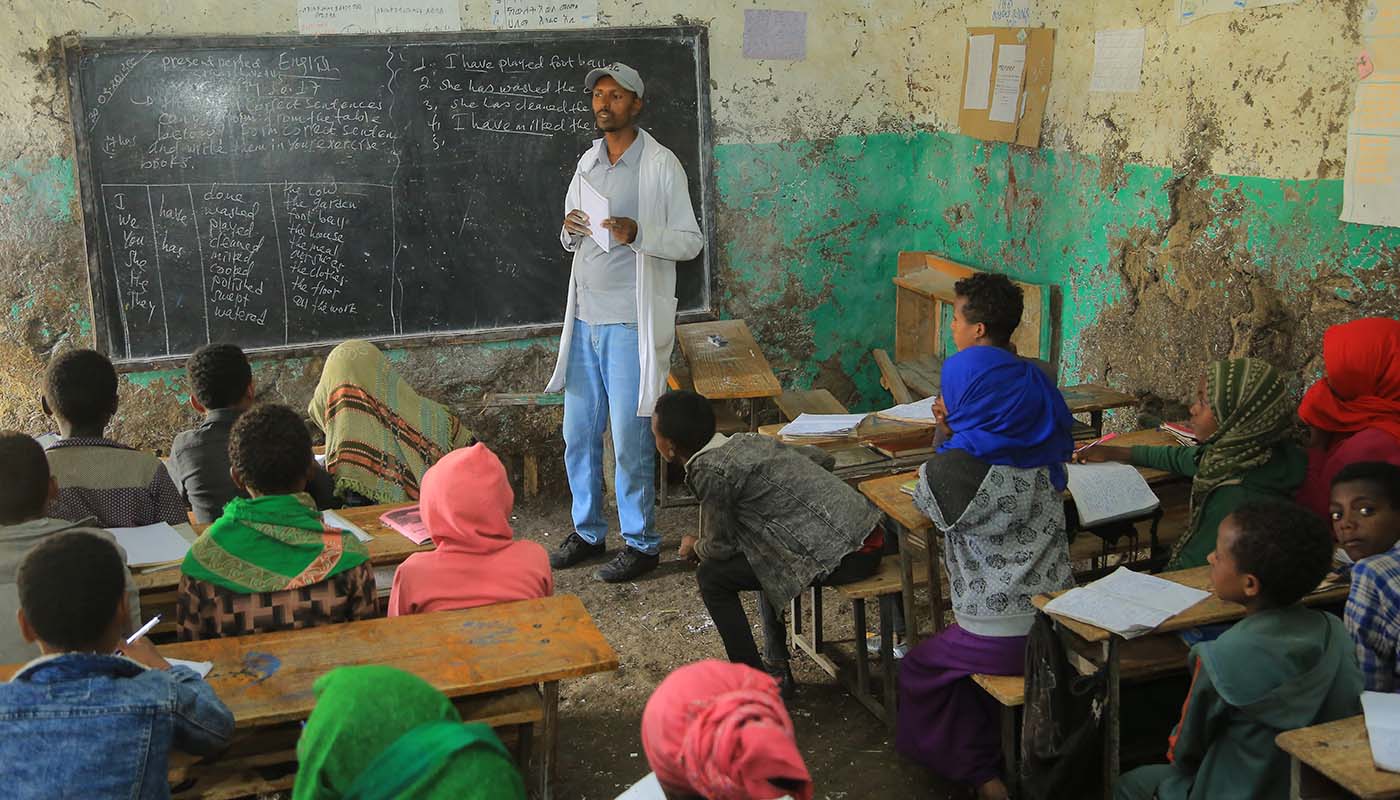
(601, 384)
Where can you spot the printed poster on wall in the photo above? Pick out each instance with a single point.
(1372, 193)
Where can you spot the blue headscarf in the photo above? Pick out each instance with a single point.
(1004, 410)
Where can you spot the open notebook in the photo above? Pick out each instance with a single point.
(1109, 492)
(1125, 602)
(1382, 710)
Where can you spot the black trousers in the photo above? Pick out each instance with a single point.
(720, 584)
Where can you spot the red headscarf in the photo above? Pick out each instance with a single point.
(721, 730)
(1362, 386)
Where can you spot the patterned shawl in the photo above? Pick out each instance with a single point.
(271, 543)
(1252, 409)
(381, 436)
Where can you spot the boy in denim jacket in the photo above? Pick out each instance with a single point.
(94, 716)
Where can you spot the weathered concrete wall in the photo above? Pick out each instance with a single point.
(826, 168)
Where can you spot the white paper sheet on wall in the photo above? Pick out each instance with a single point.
(772, 34)
(1006, 93)
(1188, 11)
(315, 17)
(1372, 191)
(377, 16)
(524, 14)
(1118, 60)
(978, 85)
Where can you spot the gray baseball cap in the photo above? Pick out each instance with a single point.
(625, 76)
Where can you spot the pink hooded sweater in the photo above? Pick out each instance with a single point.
(466, 502)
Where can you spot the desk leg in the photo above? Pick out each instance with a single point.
(1306, 783)
(906, 582)
(549, 755)
(1112, 726)
(935, 580)
(1096, 422)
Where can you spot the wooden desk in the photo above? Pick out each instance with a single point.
(913, 530)
(1209, 611)
(266, 679)
(1334, 760)
(158, 588)
(734, 370)
(1094, 399)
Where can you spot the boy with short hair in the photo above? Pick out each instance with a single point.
(777, 520)
(25, 491)
(1284, 666)
(79, 722)
(1365, 510)
(987, 308)
(269, 563)
(117, 485)
(221, 388)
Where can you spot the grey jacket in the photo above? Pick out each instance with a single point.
(1004, 539)
(778, 505)
(15, 542)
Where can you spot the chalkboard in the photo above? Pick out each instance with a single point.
(286, 193)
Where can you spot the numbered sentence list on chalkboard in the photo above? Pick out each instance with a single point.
(286, 194)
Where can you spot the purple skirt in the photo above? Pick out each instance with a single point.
(947, 722)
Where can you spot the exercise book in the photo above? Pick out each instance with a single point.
(151, 544)
(334, 520)
(1109, 492)
(1127, 603)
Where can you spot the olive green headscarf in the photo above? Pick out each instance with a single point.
(379, 732)
(1251, 407)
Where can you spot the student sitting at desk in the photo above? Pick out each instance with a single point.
(381, 436)
(1354, 411)
(1366, 522)
(994, 491)
(269, 563)
(379, 732)
(26, 488)
(221, 388)
(1242, 418)
(716, 730)
(118, 486)
(95, 716)
(776, 520)
(466, 505)
(987, 309)
(1283, 666)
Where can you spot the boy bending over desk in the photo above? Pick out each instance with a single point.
(1366, 522)
(1283, 666)
(269, 563)
(776, 520)
(79, 722)
(993, 490)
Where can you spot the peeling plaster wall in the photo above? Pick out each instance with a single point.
(1197, 218)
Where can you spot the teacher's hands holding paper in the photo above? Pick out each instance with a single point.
(624, 229)
(576, 223)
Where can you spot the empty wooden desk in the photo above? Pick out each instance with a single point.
(1093, 399)
(726, 363)
(1334, 761)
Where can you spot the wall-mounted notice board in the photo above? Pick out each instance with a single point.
(1006, 83)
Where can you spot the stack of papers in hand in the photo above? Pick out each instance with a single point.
(918, 412)
(1125, 602)
(1180, 431)
(151, 544)
(1382, 710)
(334, 520)
(819, 425)
(1109, 492)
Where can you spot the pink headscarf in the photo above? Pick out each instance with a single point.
(721, 730)
(466, 502)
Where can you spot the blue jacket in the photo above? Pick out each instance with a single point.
(99, 726)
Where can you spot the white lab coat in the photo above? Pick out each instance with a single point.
(667, 233)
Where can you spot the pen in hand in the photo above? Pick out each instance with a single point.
(144, 629)
(1100, 440)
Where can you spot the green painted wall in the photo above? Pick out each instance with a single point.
(811, 231)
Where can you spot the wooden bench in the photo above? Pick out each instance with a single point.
(267, 761)
(885, 586)
(1143, 660)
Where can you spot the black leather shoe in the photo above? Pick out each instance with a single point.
(575, 550)
(626, 565)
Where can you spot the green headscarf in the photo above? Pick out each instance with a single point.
(1252, 409)
(379, 732)
(271, 543)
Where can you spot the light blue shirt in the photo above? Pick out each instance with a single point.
(607, 282)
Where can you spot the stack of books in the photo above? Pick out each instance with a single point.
(1180, 431)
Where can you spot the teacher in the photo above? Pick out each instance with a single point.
(620, 322)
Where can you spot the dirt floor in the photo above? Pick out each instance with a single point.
(658, 623)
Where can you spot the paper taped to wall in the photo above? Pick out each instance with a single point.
(1372, 190)
(1006, 94)
(1118, 61)
(979, 71)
